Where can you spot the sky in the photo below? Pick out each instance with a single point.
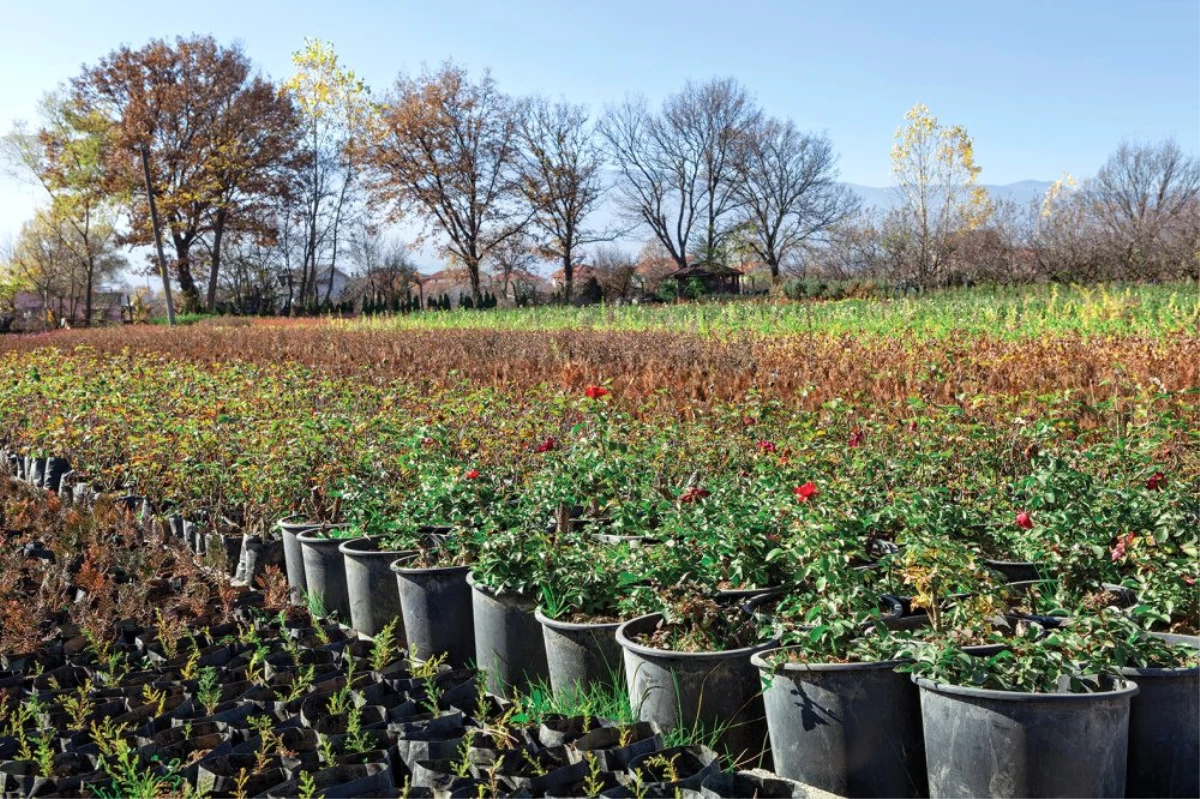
(1043, 87)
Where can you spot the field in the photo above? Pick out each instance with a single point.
(745, 446)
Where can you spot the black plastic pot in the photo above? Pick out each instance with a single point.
(579, 655)
(436, 607)
(1015, 571)
(509, 647)
(697, 689)
(693, 765)
(293, 558)
(371, 591)
(325, 573)
(852, 729)
(340, 782)
(1008, 743)
(1164, 729)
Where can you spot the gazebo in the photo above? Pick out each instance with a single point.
(716, 278)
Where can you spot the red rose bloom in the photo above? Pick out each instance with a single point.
(693, 494)
(472, 474)
(766, 446)
(547, 445)
(1156, 481)
(749, 421)
(807, 491)
(1024, 521)
(595, 392)
(857, 437)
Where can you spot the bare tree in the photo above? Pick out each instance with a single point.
(516, 254)
(1141, 197)
(561, 180)
(788, 191)
(447, 149)
(615, 271)
(677, 167)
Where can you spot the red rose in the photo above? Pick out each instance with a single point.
(749, 421)
(913, 426)
(472, 474)
(857, 437)
(806, 492)
(766, 446)
(1156, 481)
(595, 392)
(1024, 520)
(693, 494)
(547, 445)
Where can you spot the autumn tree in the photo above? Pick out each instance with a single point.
(47, 258)
(189, 103)
(447, 149)
(787, 190)
(560, 176)
(65, 157)
(335, 112)
(677, 165)
(935, 171)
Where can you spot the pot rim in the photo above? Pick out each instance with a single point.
(555, 624)
(349, 549)
(431, 570)
(759, 659)
(315, 536)
(296, 523)
(630, 645)
(526, 602)
(1127, 690)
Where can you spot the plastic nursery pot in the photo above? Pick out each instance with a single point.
(691, 765)
(371, 591)
(579, 655)
(980, 742)
(436, 607)
(700, 691)
(852, 729)
(1015, 571)
(293, 559)
(340, 782)
(509, 647)
(325, 573)
(1164, 729)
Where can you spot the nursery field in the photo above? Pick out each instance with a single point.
(569, 552)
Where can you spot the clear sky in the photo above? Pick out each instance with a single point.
(1043, 86)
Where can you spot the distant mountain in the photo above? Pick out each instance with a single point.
(1021, 192)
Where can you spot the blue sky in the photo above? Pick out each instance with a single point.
(1042, 86)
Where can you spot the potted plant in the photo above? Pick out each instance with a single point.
(1052, 710)
(840, 716)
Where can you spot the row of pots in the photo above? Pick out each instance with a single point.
(856, 729)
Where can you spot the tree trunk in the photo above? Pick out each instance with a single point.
(473, 274)
(87, 301)
(568, 279)
(187, 284)
(210, 302)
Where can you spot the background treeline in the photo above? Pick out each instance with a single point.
(271, 195)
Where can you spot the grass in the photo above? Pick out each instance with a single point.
(1005, 312)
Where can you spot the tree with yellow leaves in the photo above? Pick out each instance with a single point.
(935, 171)
(335, 109)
